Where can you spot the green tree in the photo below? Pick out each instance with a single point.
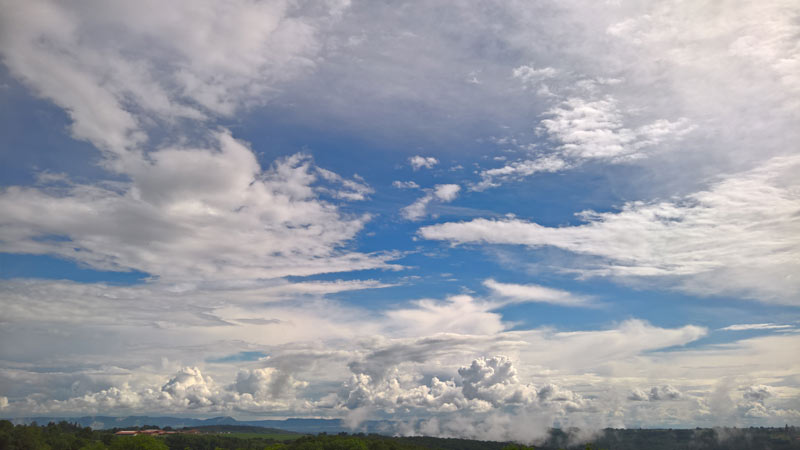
(518, 447)
(141, 442)
(28, 438)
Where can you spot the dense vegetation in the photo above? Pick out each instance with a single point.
(66, 436)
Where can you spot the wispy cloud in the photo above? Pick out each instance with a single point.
(739, 236)
(441, 193)
(755, 326)
(405, 184)
(520, 293)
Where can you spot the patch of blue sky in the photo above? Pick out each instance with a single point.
(239, 357)
(52, 268)
(35, 138)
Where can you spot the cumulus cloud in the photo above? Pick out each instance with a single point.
(554, 379)
(595, 129)
(484, 385)
(418, 162)
(666, 392)
(757, 393)
(638, 395)
(535, 293)
(179, 211)
(115, 66)
(494, 380)
(173, 222)
(754, 404)
(441, 193)
(266, 383)
(405, 185)
(446, 192)
(737, 237)
(188, 389)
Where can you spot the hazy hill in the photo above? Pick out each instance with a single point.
(105, 422)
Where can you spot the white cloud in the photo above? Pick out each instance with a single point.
(419, 162)
(737, 237)
(446, 192)
(459, 314)
(638, 395)
(442, 193)
(535, 293)
(417, 375)
(666, 392)
(189, 386)
(602, 349)
(113, 66)
(529, 75)
(520, 169)
(154, 304)
(484, 385)
(494, 380)
(176, 211)
(699, 69)
(353, 190)
(266, 383)
(173, 222)
(188, 389)
(757, 393)
(595, 130)
(405, 185)
(584, 130)
(755, 326)
(418, 209)
(755, 404)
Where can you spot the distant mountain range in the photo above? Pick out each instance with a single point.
(311, 426)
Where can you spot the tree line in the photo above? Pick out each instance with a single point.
(69, 436)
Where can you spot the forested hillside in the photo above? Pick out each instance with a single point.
(66, 436)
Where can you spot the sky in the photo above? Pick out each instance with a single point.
(473, 219)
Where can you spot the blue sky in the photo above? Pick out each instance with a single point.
(464, 218)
